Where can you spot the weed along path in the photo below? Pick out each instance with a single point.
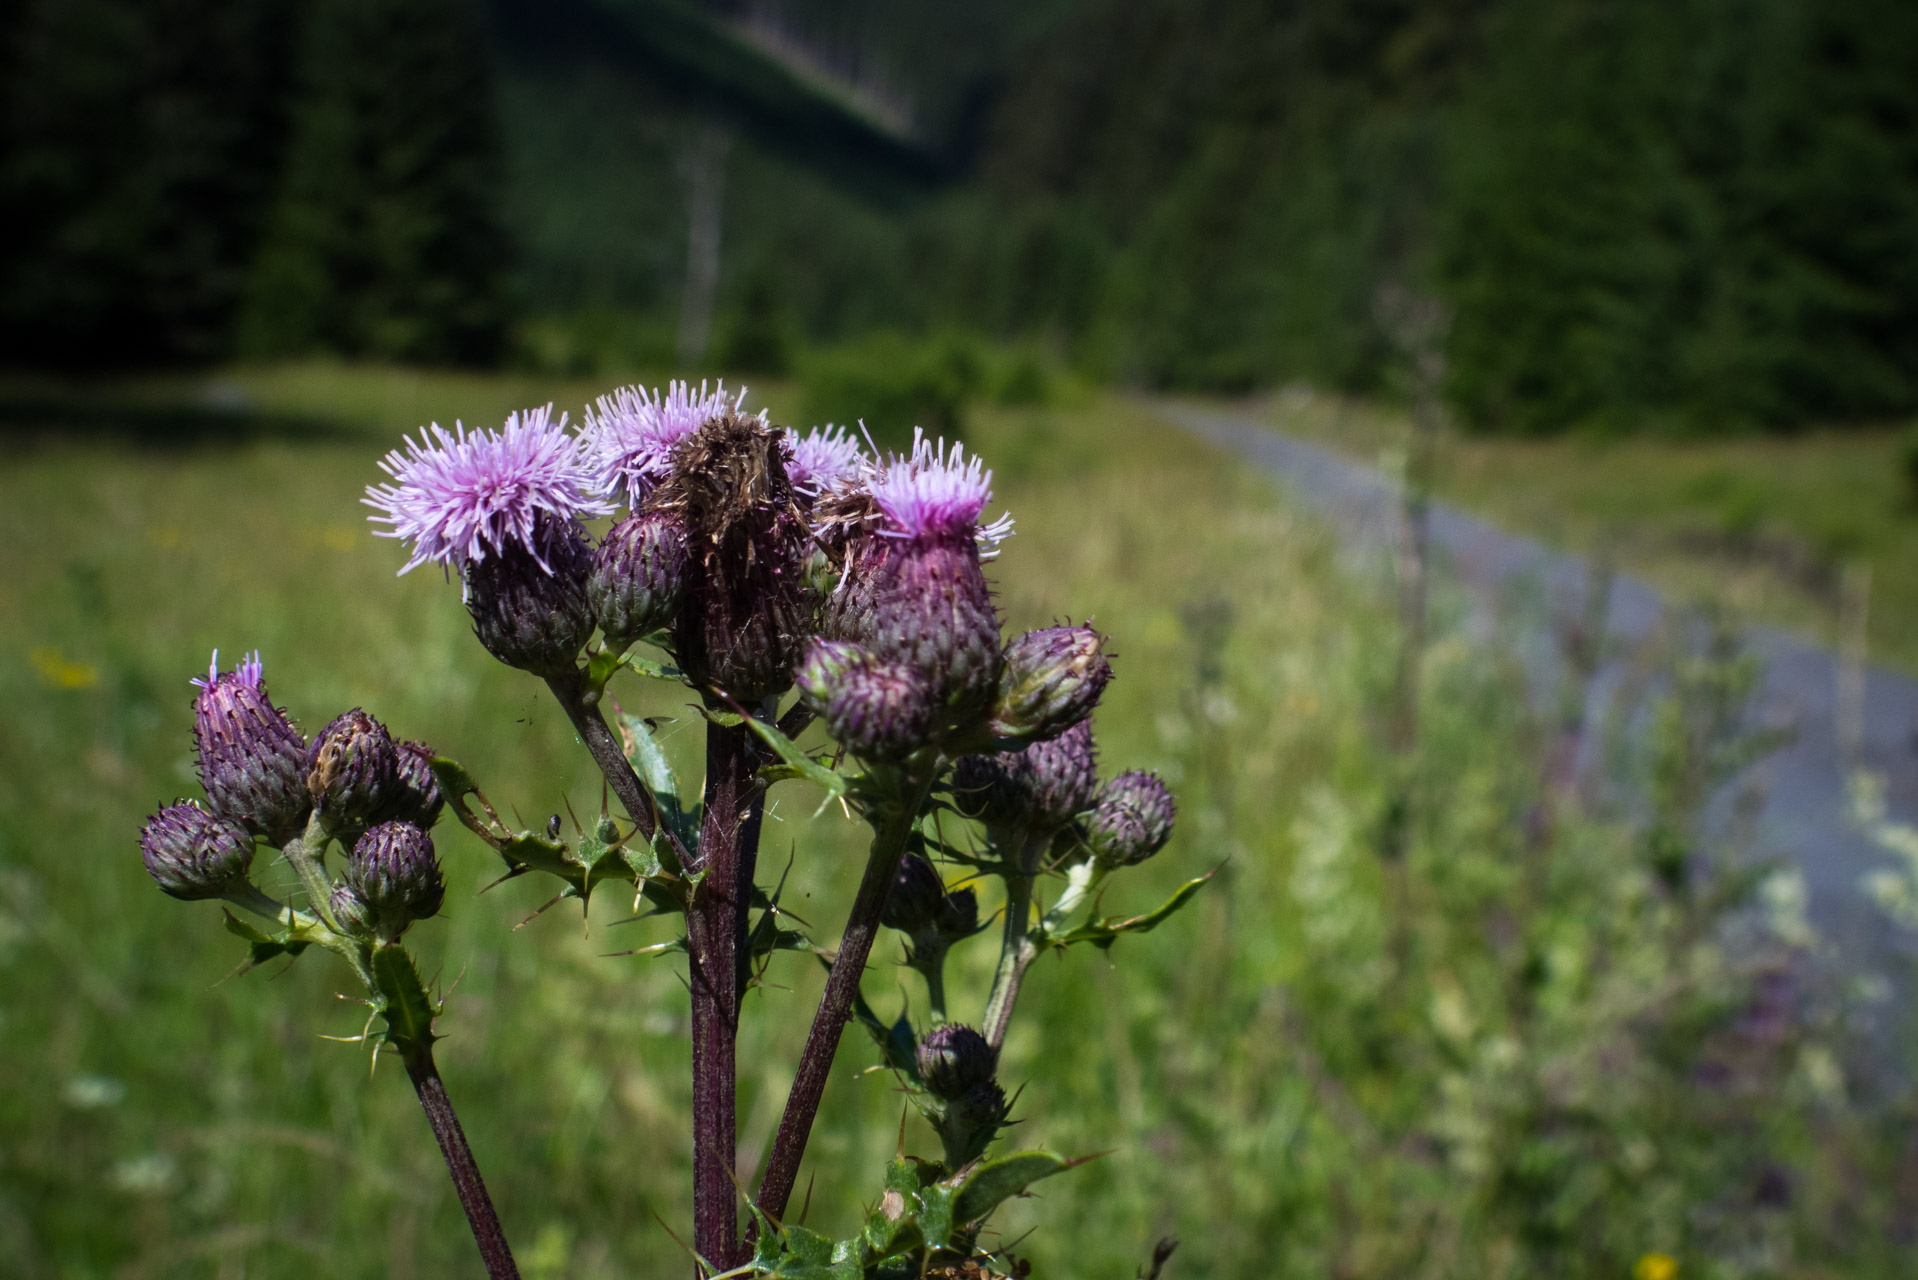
(1843, 717)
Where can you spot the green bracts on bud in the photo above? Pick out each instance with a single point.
(1051, 681)
(352, 773)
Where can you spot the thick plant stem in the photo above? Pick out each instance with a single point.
(1016, 948)
(1015, 955)
(607, 753)
(713, 937)
(842, 984)
(487, 1232)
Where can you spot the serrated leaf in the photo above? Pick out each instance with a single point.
(655, 670)
(936, 1215)
(797, 762)
(992, 1182)
(409, 1011)
(649, 760)
(260, 947)
(1103, 932)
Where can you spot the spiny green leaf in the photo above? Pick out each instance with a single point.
(260, 947)
(797, 762)
(1103, 932)
(936, 1215)
(992, 1182)
(409, 1011)
(649, 759)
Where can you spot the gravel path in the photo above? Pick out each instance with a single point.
(1806, 811)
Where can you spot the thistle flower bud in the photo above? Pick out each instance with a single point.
(1132, 820)
(960, 919)
(917, 901)
(953, 1060)
(638, 577)
(252, 761)
(416, 797)
(191, 854)
(1052, 680)
(532, 615)
(879, 710)
(916, 591)
(352, 772)
(1038, 788)
(390, 880)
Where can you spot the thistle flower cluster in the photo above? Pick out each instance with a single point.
(265, 783)
(759, 560)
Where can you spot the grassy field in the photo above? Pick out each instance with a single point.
(1769, 523)
(1329, 1065)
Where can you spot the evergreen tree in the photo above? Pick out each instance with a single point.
(386, 238)
(138, 145)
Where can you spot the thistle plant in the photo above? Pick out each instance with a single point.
(793, 585)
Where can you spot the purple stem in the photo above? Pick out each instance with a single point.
(607, 753)
(849, 966)
(487, 1232)
(713, 933)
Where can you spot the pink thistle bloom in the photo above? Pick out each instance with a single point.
(823, 457)
(249, 673)
(465, 495)
(937, 492)
(630, 435)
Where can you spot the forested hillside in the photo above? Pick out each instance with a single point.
(1698, 214)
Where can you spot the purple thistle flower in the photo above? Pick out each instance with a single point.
(823, 457)
(1038, 788)
(352, 772)
(1052, 681)
(391, 879)
(252, 761)
(936, 492)
(418, 799)
(954, 1059)
(463, 495)
(638, 577)
(630, 434)
(193, 855)
(1133, 819)
(879, 710)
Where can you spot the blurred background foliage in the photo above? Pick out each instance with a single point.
(1688, 213)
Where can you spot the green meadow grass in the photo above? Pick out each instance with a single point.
(1766, 523)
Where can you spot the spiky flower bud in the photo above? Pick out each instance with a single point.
(191, 854)
(252, 761)
(1038, 788)
(960, 919)
(917, 901)
(416, 798)
(352, 772)
(1132, 820)
(391, 879)
(529, 609)
(953, 1060)
(638, 577)
(879, 710)
(1052, 680)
